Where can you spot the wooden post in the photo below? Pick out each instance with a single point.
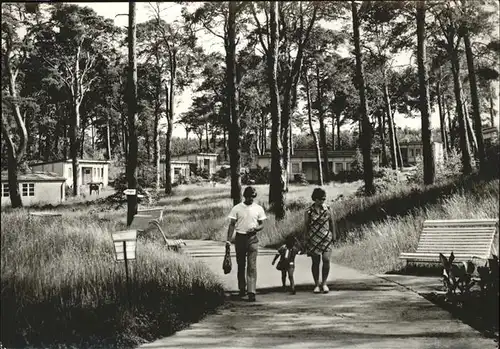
(126, 274)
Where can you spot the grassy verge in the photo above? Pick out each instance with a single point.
(62, 288)
(374, 247)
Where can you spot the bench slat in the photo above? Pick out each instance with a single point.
(457, 230)
(458, 247)
(463, 224)
(455, 247)
(436, 256)
(462, 221)
(469, 240)
(451, 236)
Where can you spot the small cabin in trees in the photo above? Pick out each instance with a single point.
(304, 161)
(36, 188)
(411, 151)
(95, 171)
(179, 171)
(203, 161)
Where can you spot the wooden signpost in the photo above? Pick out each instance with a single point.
(125, 243)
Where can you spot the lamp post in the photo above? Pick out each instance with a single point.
(125, 243)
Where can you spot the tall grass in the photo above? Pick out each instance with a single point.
(61, 286)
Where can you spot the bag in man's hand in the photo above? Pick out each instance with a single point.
(226, 263)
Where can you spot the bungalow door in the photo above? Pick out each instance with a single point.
(86, 175)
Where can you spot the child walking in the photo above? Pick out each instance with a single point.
(286, 253)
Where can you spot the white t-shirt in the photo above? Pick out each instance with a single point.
(247, 216)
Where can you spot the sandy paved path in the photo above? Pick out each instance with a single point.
(361, 311)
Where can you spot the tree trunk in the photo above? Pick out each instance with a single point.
(232, 85)
(74, 147)
(224, 141)
(390, 122)
(207, 140)
(475, 104)
(108, 139)
(338, 130)
(169, 102)
(147, 143)
(398, 149)
(427, 154)
(492, 107)
(15, 196)
(381, 131)
(365, 135)
(82, 141)
(156, 149)
(322, 131)
(462, 131)
(442, 123)
(92, 130)
(315, 138)
(132, 114)
(451, 143)
(125, 138)
(333, 131)
(277, 185)
(18, 155)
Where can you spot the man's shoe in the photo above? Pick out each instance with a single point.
(251, 297)
(242, 294)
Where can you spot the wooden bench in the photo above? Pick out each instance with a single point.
(467, 238)
(141, 222)
(156, 212)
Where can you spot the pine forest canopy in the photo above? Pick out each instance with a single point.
(285, 73)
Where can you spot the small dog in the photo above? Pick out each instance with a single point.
(286, 264)
(94, 187)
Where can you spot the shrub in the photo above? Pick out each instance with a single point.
(221, 175)
(489, 277)
(386, 180)
(449, 169)
(199, 172)
(259, 175)
(457, 277)
(68, 190)
(347, 176)
(300, 178)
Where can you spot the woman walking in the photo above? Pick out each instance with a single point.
(319, 237)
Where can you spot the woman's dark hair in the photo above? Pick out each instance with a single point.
(318, 193)
(249, 192)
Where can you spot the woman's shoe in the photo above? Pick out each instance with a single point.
(325, 289)
(317, 290)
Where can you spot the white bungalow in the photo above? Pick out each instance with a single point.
(304, 161)
(36, 188)
(89, 170)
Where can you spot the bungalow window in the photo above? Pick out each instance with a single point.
(28, 189)
(417, 152)
(102, 172)
(5, 190)
(295, 168)
(411, 152)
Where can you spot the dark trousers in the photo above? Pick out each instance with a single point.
(246, 253)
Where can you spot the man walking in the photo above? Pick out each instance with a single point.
(246, 220)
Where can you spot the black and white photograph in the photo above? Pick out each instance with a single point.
(250, 174)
